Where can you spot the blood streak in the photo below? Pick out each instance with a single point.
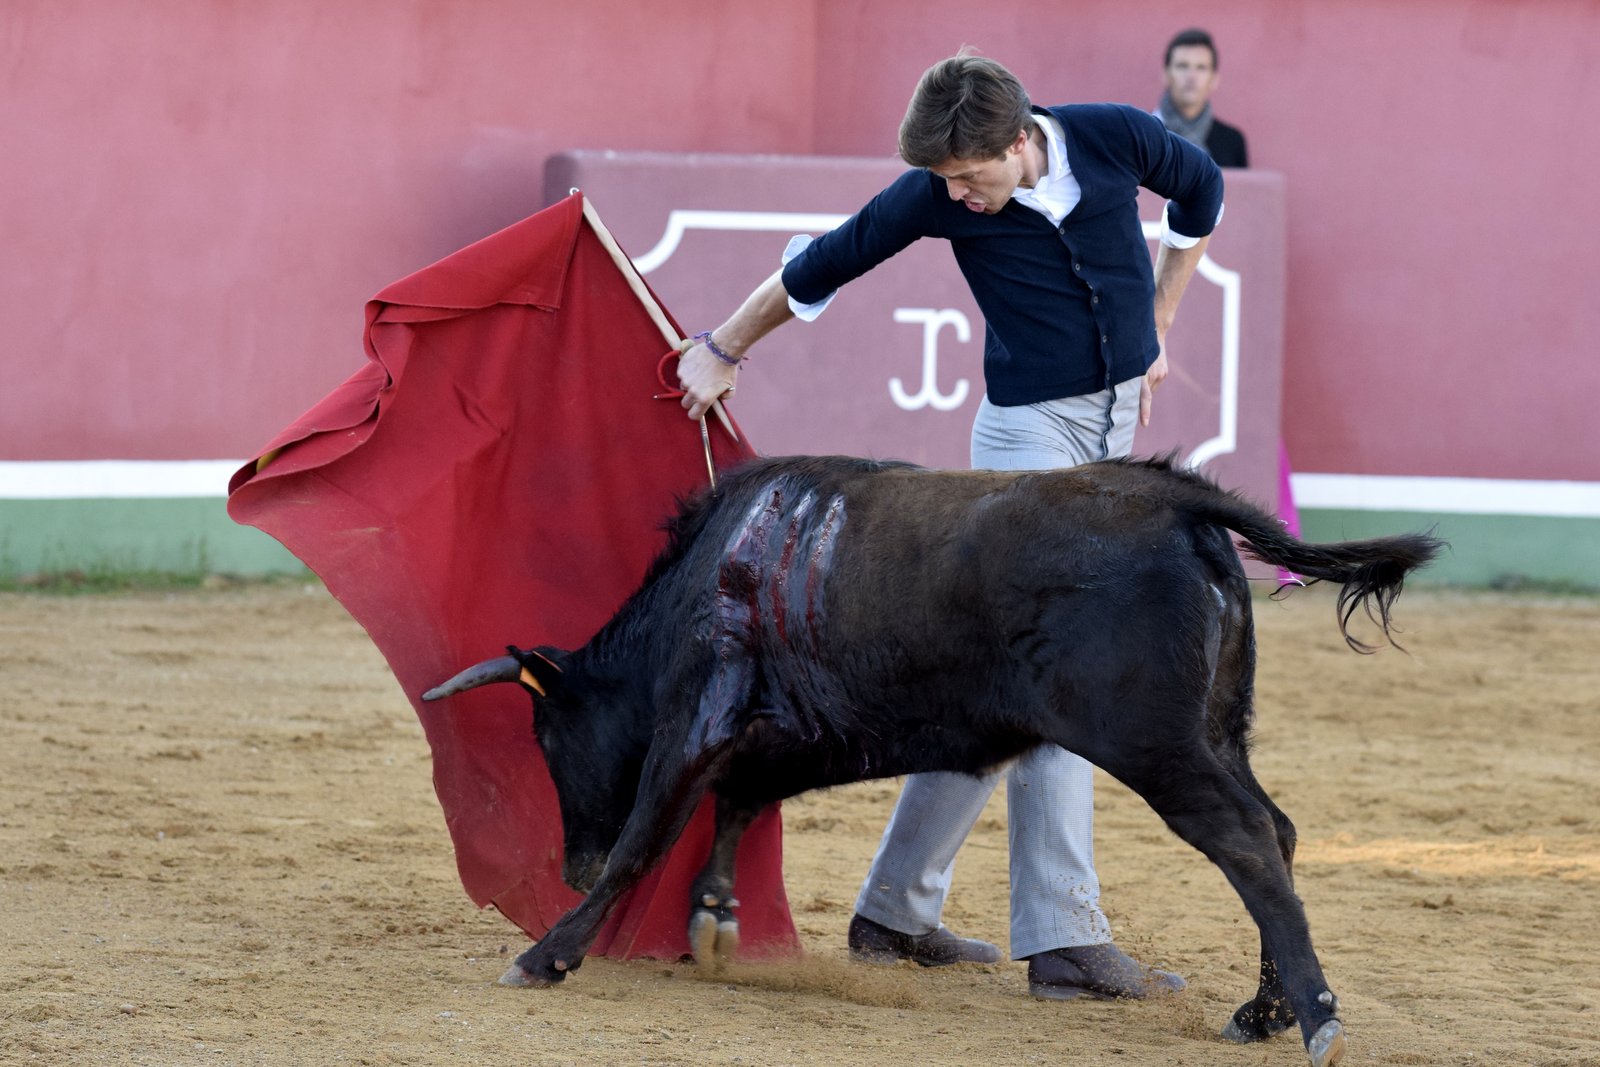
(762, 625)
(821, 557)
(778, 586)
(737, 622)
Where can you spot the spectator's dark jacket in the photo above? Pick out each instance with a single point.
(1226, 145)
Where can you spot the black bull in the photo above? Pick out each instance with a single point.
(816, 621)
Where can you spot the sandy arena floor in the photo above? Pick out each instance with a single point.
(221, 846)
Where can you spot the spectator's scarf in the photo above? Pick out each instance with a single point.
(1194, 130)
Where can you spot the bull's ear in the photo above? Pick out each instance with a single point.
(541, 668)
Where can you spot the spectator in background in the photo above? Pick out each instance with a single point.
(1191, 76)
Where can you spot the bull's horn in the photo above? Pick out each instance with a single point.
(503, 669)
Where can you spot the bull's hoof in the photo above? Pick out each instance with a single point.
(713, 937)
(1250, 1024)
(522, 975)
(1326, 1046)
(516, 976)
(1242, 1035)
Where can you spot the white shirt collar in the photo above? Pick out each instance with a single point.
(1056, 192)
(1055, 143)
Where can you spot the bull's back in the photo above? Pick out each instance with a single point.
(906, 593)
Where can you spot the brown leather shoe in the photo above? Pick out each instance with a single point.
(871, 942)
(1103, 972)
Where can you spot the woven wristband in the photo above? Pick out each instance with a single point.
(705, 339)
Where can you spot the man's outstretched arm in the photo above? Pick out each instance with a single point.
(816, 269)
(702, 374)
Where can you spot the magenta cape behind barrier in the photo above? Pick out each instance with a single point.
(498, 473)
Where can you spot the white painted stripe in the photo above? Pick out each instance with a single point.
(119, 479)
(681, 221)
(116, 479)
(1451, 496)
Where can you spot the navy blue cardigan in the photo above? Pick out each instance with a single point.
(1069, 311)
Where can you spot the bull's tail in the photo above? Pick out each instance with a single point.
(1370, 573)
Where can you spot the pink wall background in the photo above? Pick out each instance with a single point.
(196, 198)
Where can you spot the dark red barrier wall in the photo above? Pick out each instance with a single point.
(199, 196)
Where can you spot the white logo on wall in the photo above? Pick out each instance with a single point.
(933, 320)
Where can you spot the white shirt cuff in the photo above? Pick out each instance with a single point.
(1173, 239)
(805, 312)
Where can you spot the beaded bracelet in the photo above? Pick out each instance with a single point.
(705, 338)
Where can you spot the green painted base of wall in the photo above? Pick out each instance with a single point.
(195, 536)
(188, 536)
(1485, 550)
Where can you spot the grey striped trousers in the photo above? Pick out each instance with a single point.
(1055, 894)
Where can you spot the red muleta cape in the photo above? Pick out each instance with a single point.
(498, 473)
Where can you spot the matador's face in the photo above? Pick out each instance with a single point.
(985, 185)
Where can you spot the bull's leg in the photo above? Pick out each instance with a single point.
(1268, 1013)
(1229, 714)
(671, 786)
(1207, 807)
(713, 927)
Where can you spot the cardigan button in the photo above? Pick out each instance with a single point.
(1105, 338)
(1078, 267)
(1095, 299)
